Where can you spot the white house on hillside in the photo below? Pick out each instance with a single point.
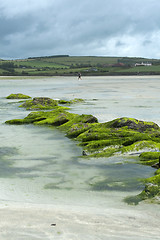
(143, 64)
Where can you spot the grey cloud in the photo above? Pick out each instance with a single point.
(147, 42)
(119, 44)
(74, 27)
(8, 27)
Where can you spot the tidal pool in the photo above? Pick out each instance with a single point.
(44, 178)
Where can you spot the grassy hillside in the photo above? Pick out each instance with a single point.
(71, 65)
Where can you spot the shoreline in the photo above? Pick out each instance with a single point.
(75, 77)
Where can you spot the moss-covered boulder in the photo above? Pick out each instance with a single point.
(56, 118)
(132, 123)
(150, 158)
(40, 103)
(18, 96)
(119, 136)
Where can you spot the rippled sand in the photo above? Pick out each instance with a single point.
(30, 222)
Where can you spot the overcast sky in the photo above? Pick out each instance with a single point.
(79, 27)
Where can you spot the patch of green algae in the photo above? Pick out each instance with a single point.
(40, 103)
(69, 102)
(120, 136)
(56, 117)
(18, 96)
(149, 158)
(45, 103)
(151, 192)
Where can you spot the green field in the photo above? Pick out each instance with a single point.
(71, 65)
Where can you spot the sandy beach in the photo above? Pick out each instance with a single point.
(74, 223)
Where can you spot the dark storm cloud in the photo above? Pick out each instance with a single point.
(117, 27)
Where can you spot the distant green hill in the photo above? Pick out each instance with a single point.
(65, 65)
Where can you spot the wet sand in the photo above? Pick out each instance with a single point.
(30, 222)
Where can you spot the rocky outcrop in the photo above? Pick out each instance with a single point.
(39, 103)
(134, 124)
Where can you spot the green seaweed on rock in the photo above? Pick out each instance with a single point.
(18, 96)
(132, 123)
(151, 192)
(45, 103)
(149, 158)
(69, 102)
(40, 103)
(55, 117)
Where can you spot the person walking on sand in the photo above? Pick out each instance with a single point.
(79, 76)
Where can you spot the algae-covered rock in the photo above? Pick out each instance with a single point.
(16, 122)
(100, 139)
(77, 129)
(18, 96)
(120, 136)
(150, 158)
(45, 103)
(149, 155)
(109, 138)
(40, 103)
(151, 192)
(132, 123)
(31, 118)
(69, 102)
(81, 120)
(56, 118)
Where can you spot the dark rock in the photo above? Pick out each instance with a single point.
(157, 165)
(43, 101)
(134, 124)
(84, 153)
(91, 119)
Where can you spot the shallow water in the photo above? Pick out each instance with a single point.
(39, 165)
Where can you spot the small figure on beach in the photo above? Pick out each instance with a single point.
(79, 76)
(53, 224)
